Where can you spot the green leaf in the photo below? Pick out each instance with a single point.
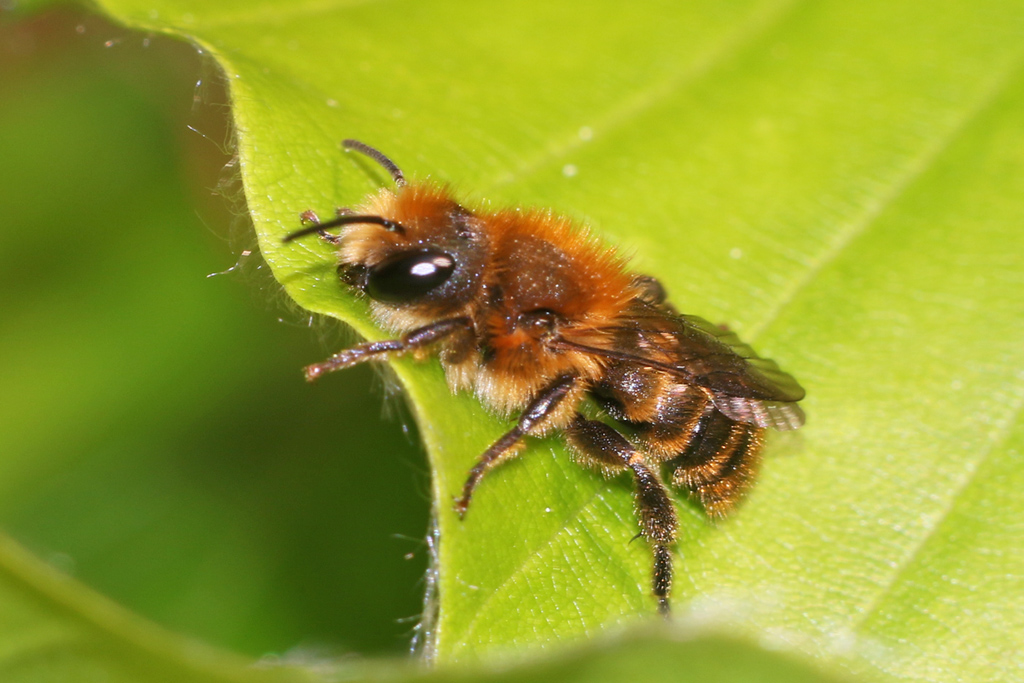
(839, 182)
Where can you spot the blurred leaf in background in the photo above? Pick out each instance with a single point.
(156, 437)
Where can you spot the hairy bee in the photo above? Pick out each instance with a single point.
(531, 313)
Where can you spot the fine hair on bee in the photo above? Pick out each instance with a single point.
(536, 317)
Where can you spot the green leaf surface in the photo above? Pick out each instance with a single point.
(839, 182)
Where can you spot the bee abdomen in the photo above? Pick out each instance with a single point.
(720, 461)
(671, 430)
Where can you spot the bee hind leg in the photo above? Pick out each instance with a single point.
(598, 445)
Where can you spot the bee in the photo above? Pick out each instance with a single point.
(534, 315)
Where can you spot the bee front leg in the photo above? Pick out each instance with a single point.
(310, 218)
(416, 339)
(542, 406)
(597, 444)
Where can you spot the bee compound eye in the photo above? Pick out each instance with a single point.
(409, 275)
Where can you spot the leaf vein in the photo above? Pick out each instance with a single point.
(998, 437)
(760, 23)
(531, 559)
(882, 201)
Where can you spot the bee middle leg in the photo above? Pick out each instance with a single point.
(542, 406)
(598, 444)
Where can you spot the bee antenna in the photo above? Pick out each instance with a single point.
(390, 225)
(378, 156)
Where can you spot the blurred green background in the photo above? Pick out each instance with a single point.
(156, 438)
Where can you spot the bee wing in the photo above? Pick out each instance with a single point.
(780, 415)
(744, 386)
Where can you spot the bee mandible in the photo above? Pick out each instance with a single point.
(534, 315)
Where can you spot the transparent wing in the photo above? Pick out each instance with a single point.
(744, 386)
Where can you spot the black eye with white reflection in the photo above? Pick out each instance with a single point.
(409, 275)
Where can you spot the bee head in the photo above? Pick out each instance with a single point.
(415, 251)
(426, 253)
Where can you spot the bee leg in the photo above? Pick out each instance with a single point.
(651, 290)
(597, 444)
(309, 217)
(417, 339)
(542, 406)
